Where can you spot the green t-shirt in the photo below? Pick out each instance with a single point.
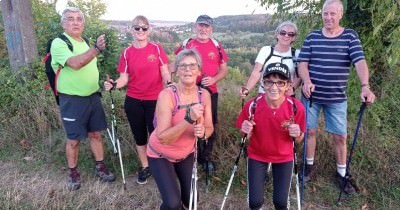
(82, 82)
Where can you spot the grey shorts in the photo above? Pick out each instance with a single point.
(81, 115)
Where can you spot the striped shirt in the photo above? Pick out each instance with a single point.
(329, 61)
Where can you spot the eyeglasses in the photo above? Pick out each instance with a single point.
(137, 28)
(279, 83)
(192, 66)
(71, 19)
(284, 33)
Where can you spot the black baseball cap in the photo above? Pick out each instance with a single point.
(278, 68)
(205, 19)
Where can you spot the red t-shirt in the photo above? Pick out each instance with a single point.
(143, 66)
(210, 58)
(270, 141)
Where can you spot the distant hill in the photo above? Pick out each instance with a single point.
(251, 23)
(257, 23)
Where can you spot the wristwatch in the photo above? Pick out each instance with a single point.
(187, 116)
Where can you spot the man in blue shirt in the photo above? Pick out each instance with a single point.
(325, 60)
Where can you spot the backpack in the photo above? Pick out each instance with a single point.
(51, 76)
(283, 58)
(215, 42)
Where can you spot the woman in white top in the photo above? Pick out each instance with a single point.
(286, 34)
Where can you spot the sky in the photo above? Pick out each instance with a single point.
(175, 10)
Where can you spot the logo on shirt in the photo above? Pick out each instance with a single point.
(152, 58)
(212, 56)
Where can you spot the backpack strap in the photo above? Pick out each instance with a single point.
(178, 104)
(267, 58)
(295, 61)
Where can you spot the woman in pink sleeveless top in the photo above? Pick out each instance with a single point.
(183, 114)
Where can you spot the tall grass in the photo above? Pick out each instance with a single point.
(34, 177)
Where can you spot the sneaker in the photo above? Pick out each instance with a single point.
(103, 174)
(350, 187)
(144, 173)
(309, 173)
(74, 180)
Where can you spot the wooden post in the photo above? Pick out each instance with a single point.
(19, 32)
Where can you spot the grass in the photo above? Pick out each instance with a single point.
(34, 177)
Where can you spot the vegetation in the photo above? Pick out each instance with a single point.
(32, 142)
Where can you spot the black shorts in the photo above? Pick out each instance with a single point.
(81, 115)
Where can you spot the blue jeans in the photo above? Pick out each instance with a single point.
(335, 115)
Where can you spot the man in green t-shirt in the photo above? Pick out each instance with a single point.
(78, 85)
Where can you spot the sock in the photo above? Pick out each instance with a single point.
(341, 169)
(310, 161)
(98, 163)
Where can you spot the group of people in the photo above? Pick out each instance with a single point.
(169, 118)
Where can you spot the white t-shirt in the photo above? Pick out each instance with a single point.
(275, 58)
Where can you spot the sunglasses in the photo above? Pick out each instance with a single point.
(137, 28)
(284, 33)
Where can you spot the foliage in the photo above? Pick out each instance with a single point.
(3, 49)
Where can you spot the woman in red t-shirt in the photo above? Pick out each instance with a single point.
(272, 124)
(143, 67)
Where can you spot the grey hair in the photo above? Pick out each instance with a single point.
(286, 23)
(71, 9)
(329, 2)
(187, 53)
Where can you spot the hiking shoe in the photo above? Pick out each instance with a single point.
(103, 173)
(144, 173)
(211, 167)
(73, 180)
(309, 173)
(350, 187)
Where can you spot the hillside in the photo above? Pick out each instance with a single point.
(232, 23)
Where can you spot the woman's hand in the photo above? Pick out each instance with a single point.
(295, 132)
(199, 130)
(196, 112)
(247, 126)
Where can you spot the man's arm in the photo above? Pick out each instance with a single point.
(78, 61)
(363, 74)
(253, 79)
(222, 72)
(304, 74)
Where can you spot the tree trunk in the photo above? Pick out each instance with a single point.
(19, 32)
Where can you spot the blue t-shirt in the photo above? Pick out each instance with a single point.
(329, 61)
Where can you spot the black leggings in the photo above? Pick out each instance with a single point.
(256, 175)
(205, 150)
(165, 174)
(140, 114)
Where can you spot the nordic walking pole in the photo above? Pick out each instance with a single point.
(193, 187)
(305, 149)
(353, 146)
(113, 135)
(235, 166)
(296, 175)
(295, 166)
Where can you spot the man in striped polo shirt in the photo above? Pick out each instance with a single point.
(325, 60)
